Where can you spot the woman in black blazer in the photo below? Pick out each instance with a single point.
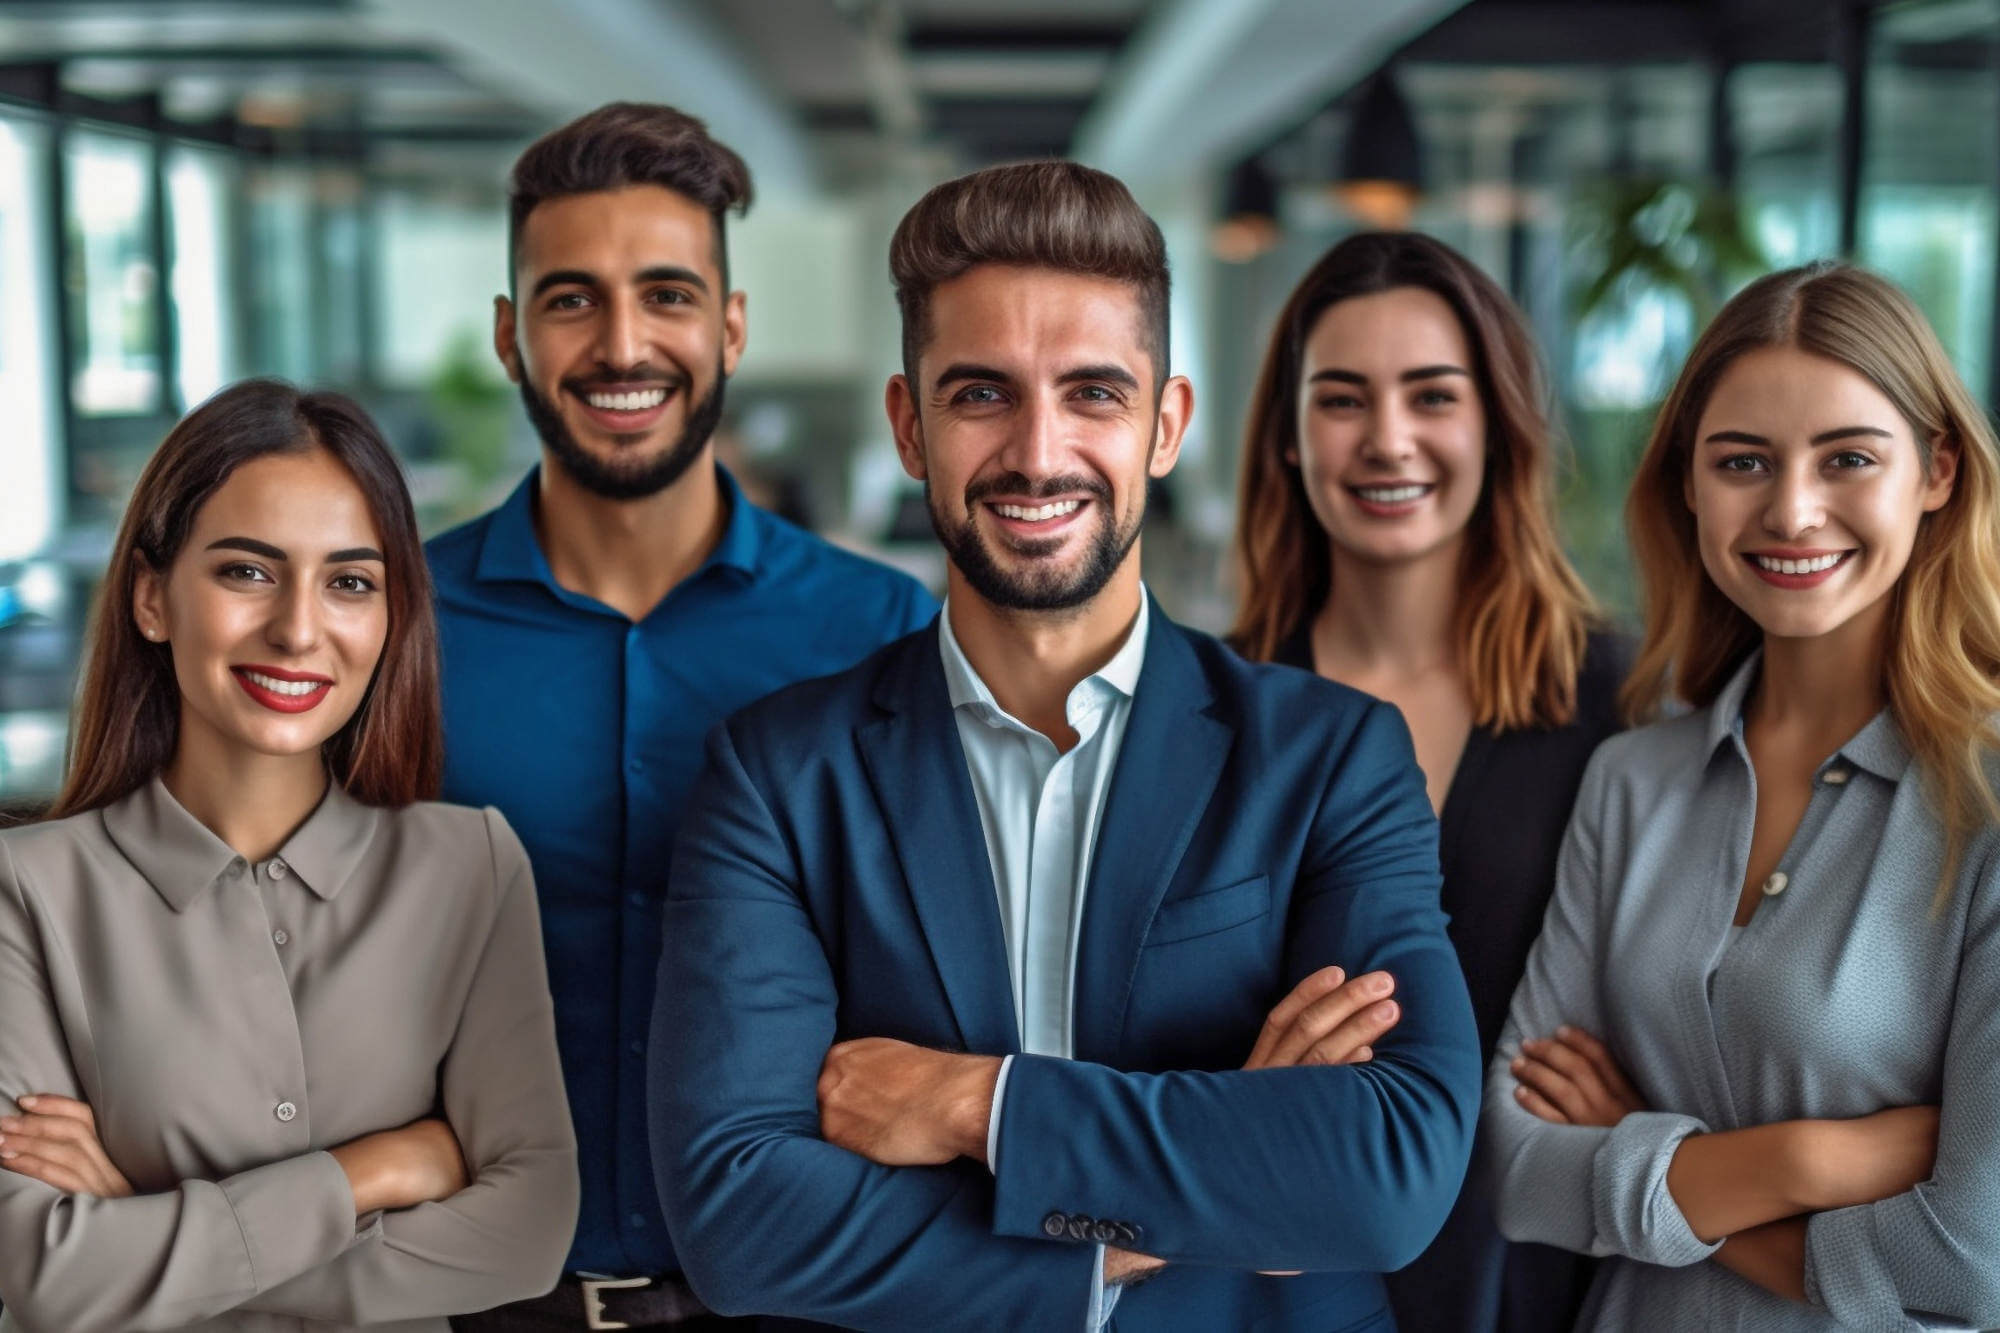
(1396, 534)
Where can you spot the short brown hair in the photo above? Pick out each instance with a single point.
(1523, 615)
(1058, 215)
(128, 708)
(628, 143)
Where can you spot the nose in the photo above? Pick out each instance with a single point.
(1034, 444)
(295, 625)
(621, 342)
(1796, 506)
(1388, 440)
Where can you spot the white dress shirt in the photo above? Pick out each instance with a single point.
(1040, 810)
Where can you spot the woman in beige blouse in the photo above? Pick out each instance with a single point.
(275, 1035)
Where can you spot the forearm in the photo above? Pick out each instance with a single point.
(1734, 1180)
(154, 1261)
(1234, 1169)
(501, 1239)
(1772, 1255)
(787, 1225)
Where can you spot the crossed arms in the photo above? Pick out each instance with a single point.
(1232, 1169)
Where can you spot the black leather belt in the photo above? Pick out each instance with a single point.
(623, 1302)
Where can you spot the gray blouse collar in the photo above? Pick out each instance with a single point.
(181, 857)
(1878, 747)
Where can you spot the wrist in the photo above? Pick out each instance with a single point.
(366, 1179)
(970, 1112)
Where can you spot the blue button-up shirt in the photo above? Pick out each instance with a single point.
(585, 729)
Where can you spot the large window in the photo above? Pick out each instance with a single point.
(29, 443)
(201, 184)
(113, 282)
(1933, 164)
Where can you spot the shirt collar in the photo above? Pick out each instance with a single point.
(511, 552)
(181, 857)
(1121, 673)
(1878, 747)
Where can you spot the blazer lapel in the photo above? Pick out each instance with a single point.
(1168, 766)
(917, 769)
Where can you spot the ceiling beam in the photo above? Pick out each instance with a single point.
(567, 56)
(1204, 81)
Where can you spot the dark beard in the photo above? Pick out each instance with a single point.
(618, 480)
(1036, 589)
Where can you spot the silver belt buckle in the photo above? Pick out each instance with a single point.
(593, 1304)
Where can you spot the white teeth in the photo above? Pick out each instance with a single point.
(638, 401)
(294, 688)
(1389, 495)
(1812, 566)
(1035, 514)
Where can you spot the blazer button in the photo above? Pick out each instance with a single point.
(1055, 1225)
(1079, 1227)
(1104, 1233)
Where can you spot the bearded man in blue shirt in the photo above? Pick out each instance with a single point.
(624, 599)
(1053, 947)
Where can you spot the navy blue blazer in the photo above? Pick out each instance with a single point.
(831, 881)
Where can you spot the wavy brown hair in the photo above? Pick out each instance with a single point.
(1943, 652)
(1523, 617)
(128, 707)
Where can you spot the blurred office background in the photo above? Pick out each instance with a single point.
(196, 190)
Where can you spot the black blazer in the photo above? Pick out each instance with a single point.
(1501, 828)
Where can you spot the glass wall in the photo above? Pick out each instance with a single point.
(202, 185)
(1932, 168)
(114, 281)
(29, 457)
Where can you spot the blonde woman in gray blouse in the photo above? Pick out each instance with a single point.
(275, 1039)
(1751, 1058)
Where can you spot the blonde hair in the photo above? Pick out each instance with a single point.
(1943, 654)
(1523, 616)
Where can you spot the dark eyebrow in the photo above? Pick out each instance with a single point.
(960, 371)
(672, 273)
(1849, 432)
(564, 277)
(1407, 377)
(1824, 437)
(1107, 372)
(270, 552)
(250, 544)
(1432, 372)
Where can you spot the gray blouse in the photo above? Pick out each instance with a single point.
(229, 1022)
(1845, 994)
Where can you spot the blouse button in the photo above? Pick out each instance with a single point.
(279, 869)
(1835, 776)
(287, 1112)
(280, 938)
(1775, 885)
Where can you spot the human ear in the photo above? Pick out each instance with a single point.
(900, 401)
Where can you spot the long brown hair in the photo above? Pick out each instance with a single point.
(1943, 658)
(128, 707)
(1523, 615)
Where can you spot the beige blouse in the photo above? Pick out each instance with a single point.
(229, 1022)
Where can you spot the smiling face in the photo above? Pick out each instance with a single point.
(1034, 426)
(623, 336)
(1807, 487)
(1391, 431)
(275, 610)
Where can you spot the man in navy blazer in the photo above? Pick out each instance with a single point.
(1035, 973)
